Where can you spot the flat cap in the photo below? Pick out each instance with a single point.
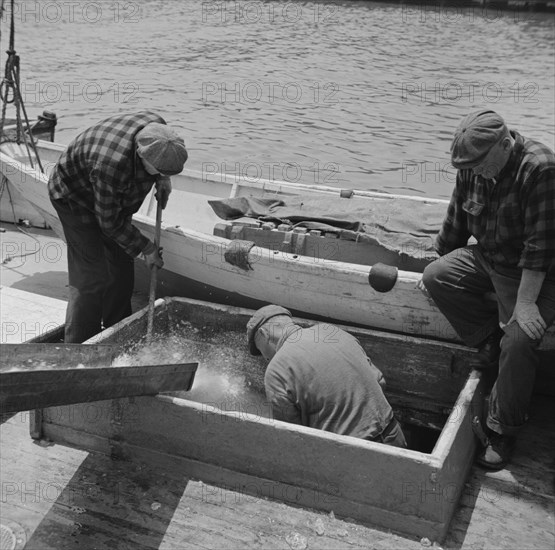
(476, 135)
(162, 147)
(263, 315)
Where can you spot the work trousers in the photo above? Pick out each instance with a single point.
(457, 282)
(101, 275)
(392, 435)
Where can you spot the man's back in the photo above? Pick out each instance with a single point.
(322, 378)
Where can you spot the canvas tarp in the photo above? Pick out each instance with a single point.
(403, 225)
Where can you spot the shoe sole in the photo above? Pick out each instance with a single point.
(490, 466)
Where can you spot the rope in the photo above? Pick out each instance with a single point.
(8, 258)
(10, 93)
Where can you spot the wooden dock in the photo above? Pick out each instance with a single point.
(59, 498)
(55, 497)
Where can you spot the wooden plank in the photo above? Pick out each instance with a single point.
(456, 448)
(35, 423)
(266, 459)
(513, 507)
(33, 389)
(64, 499)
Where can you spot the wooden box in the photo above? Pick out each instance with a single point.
(412, 491)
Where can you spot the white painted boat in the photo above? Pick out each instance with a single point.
(196, 260)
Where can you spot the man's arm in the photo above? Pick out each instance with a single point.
(113, 222)
(283, 403)
(526, 312)
(454, 231)
(539, 252)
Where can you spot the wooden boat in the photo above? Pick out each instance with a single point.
(321, 276)
(231, 442)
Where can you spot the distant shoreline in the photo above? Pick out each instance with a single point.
(506, 5)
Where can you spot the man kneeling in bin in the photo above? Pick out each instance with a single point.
(322, 378)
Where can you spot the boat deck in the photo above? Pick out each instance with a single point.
(55, 497)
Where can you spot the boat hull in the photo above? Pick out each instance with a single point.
(195, 260)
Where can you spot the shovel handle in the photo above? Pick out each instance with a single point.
(154, 272)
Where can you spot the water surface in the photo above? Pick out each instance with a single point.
(351, 94)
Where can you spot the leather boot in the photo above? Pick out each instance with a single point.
(488, 352)
(498, 451)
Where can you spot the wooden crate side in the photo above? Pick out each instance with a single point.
(456, 447)
(132, 328)
(363, 480)
(218, 481)
(382, 485)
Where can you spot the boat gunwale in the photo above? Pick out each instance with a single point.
(277, 186)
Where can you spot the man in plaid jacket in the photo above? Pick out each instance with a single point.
(504, 197)
(98, 183)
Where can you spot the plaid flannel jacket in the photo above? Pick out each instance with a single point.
(513, 219)
(104, 180)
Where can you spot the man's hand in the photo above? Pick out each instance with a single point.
(526, 312)
(153, 257)
(528, 317)
(163, 190)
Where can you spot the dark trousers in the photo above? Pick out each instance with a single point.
(101, 276)
(457, 282)
(392, 435)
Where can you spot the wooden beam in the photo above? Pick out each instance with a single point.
(23, 390)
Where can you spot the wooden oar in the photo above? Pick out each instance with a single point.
(153, 273)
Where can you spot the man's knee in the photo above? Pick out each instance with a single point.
(515, 339)
(434, 274)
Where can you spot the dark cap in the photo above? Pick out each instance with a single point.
(476, 135)
(263, 315)
(162, 147)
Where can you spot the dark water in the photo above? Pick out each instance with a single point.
(352, 94)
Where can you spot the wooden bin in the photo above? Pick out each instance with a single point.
(408, 491)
